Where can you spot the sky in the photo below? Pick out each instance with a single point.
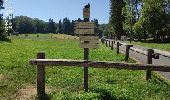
(59, 9)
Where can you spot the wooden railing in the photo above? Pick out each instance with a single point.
(111, 43)
(150, 53)
(41, 63)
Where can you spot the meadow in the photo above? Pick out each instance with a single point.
(18, 77)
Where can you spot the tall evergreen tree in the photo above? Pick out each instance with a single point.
(3, 34)
(60, 28)
(116, 17)
(66, 26)
(52, 26)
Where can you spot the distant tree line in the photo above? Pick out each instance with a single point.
(24, 24)
(139, 19)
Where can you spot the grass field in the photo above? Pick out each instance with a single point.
(18, 78)
(161, 46)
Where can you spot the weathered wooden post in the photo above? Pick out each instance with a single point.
(86, 15)
(149, 61)
(86, 32)
(41, 77)
(127, 52)
(109, 43)
(106, 42)
(117, 49)
(112, 45)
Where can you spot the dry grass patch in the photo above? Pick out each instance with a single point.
(63, 36)
(29, 92)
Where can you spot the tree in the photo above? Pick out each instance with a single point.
(24, 24)
(96, 23)
(72, 27)
(67, 26)
(3, 34)
(52, 26)
(155, 19)
(60, 28)
(131, 12)
(116, 17)
(41, 26)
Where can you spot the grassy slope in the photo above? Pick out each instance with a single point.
(161, 46)
(67, 82)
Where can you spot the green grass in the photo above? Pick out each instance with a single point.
(104, 84)
(161, 46)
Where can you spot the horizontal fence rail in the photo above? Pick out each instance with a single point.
(156, 51)
(99, 64)
(139, 51)
(163, 53)
(41, 63)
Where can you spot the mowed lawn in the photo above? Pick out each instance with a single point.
(160, 46)
(18, 77)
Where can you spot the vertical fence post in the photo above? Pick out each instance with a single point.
(102, 40)
(86, 57)
(117, 49)
(41, 77)
(127, 52)
(149, 61)
(86, 53)
(112, 46)
(106, 43)
(109, 43)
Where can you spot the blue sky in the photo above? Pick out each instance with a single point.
(59, 9)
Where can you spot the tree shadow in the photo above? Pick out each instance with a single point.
(5, 40)
(110, 81)
(107, 95)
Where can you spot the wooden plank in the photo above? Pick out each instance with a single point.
(84, 31)
(89, 41)
(84, 25)
(100, 64)
(89, 38)
(86, 13)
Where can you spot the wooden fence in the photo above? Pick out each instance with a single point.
(41, 63)
(150, 53)
(155, 55)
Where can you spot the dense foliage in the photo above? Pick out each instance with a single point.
(144, 19)
(24, 24)
(3, 35)
(116, 19)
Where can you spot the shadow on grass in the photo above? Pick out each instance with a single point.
(46, 97)
(5, 40)
(107, 95)
(110, 81)
(156, 78)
